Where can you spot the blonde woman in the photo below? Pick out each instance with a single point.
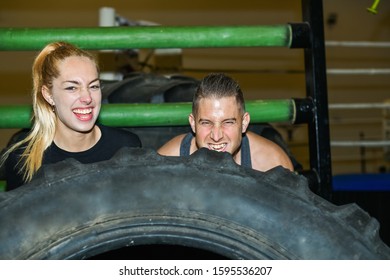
(66, 104)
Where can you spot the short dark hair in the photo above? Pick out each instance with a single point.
(218, 85)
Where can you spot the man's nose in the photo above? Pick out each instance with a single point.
(216, 132)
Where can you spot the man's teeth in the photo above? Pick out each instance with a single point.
(217, 147)
(83, 111)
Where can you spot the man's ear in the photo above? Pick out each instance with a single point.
(245, 122)
(191, 120)
(47, 95)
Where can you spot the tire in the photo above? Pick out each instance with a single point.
(203, 201)
(153, 137)
(150, 88)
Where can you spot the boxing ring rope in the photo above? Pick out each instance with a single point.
(372, 71)
(357, 44)
(360, 143)
(336, 106)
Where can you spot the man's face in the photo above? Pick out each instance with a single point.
(219, 124)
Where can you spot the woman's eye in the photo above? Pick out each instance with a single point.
(71, 88)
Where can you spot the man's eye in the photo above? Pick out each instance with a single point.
(205, 123)
(229, 123)
(95, 87)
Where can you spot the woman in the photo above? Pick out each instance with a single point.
(66, 104)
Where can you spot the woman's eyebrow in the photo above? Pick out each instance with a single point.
(71, 81)
(77, 82)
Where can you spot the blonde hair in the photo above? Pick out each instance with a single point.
(44, 70)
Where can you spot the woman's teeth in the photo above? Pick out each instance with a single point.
(82, 111)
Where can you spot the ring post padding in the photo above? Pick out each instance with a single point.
(15, 116)
(99, 38)
(148, 114)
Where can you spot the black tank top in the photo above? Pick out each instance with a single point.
(245, 149)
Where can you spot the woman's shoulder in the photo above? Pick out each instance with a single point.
(16, 153)
(114, 131)
(116, 134)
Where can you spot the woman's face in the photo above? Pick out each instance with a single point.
(76, 95)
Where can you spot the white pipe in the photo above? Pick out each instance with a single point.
(373, 71)
(356, 158)
(360, 106)
(107, 17)
(379, 143)
(365, 44)
(354, 121)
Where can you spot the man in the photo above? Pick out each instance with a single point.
(219, 122)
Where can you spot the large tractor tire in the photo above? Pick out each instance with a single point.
(203, 201)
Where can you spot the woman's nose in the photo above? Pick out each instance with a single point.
(85, 96)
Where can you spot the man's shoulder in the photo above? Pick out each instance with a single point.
(266, 153)
(177, 139)
(172, 147)
(256, 139)
(260, 144)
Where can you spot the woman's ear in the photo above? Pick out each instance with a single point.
(47, 95)
(245, 122)
(191, 120)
